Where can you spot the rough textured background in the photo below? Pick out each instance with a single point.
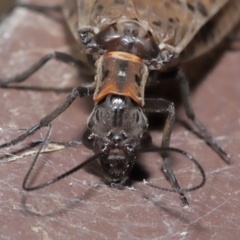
(81, 206)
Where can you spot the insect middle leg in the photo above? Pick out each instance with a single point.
(63, 57)
(166, 107)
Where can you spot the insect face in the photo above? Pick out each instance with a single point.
(117, 125)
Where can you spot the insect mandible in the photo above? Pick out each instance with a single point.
(125, 42)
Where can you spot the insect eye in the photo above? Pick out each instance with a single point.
(88, 139)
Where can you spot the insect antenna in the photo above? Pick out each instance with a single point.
(169, 173)
(28, 133)
(71, 171)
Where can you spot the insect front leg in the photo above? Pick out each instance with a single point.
(166, 107)
(45, 121)
(63, 57)
(184, 86)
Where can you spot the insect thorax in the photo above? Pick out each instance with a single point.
(127, 36)
(121, 73)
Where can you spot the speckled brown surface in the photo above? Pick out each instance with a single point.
(80, 206)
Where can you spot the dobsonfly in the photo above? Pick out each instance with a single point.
(127, 42)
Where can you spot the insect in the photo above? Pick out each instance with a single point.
(132, 44)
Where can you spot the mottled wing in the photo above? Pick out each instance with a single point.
(71, 14)
(192, 15)
(173, 22)
(168, 20)
(213, 32)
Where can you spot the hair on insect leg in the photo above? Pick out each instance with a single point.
(63, 57)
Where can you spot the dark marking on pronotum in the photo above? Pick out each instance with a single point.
(105, 73)
(123, 65)
(138, 80)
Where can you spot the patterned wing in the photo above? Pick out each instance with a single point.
(179, 23)
(176, 22)
(213, 31)
(70, 12)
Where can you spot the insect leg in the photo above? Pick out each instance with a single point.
(63, 57)
(45, 121)
(184, 86)
(164, 106)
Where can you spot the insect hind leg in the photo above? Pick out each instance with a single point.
(63, 57)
